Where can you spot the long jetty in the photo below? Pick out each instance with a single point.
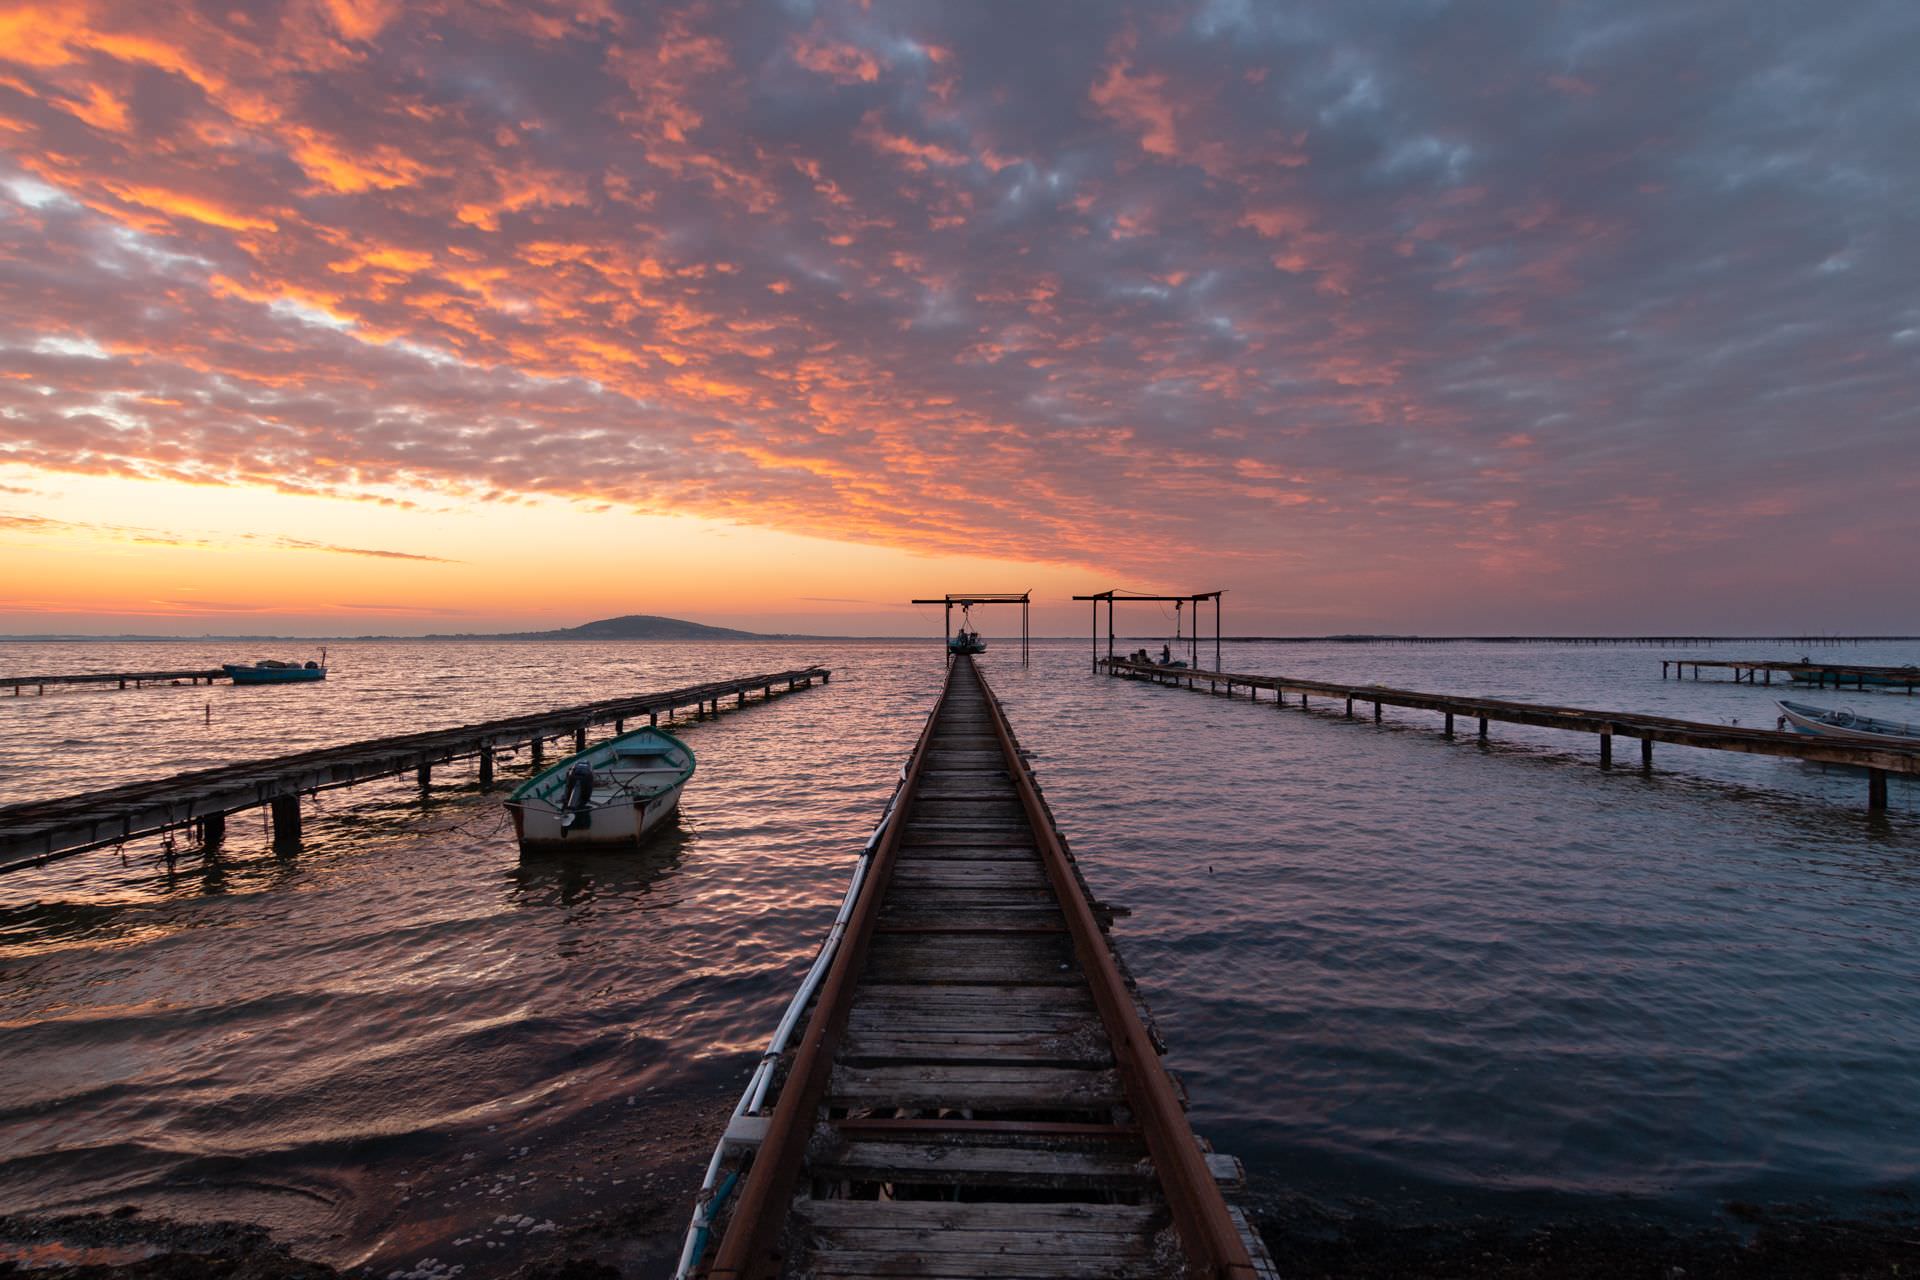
(977, 1090)
(42, 831)
(121, 678)
(1606, 725)
(1821, 675)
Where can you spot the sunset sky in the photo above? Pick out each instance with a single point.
(338, 316)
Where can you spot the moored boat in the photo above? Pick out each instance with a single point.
(1847, 724)
(612, 794)
(271, 672)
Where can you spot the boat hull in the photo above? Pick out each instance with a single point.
(622, 824)
(1850, 680)
(1819, 722)
(273, 675)
(636, 780)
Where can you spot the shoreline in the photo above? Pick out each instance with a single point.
(1366, 1241)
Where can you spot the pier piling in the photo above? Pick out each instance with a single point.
(286, 823)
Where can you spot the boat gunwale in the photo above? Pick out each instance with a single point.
(518, 795)
(1799, 711)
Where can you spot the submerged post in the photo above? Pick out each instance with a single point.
(1876, 791)
(1646, 755)
(579, 740)
(213, 829)
(286, 822)
(486, 768)
(1606, 748)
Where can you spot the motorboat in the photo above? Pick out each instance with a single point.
(1848, 725)
(612, 794)
(965, 641)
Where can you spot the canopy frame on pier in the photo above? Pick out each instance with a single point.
(968, 599)
(1115, 595)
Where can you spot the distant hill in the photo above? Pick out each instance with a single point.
(638, 626)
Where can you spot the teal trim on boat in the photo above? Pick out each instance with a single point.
(526, 789)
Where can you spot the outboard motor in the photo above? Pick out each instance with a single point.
(576, 798)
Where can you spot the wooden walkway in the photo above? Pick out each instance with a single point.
(1605, 725)
(976, 1092)
(1820, 675)
(122, 678)
(42, 831)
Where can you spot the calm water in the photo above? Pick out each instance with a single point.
(1389, 965)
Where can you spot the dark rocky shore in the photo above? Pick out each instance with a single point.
(1310, 1241)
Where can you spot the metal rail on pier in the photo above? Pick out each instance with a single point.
(122, 678)
(41, 831)
(976, 1091)
(1878, 761)
(1820, 675)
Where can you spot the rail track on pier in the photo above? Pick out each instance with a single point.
(974, 1088)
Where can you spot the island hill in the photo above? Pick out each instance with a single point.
(632, 626)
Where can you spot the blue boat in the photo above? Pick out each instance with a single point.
(270, 672)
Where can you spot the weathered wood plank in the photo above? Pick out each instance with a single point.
(1058, 1168)
(979, 1087)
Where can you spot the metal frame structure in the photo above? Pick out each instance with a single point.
(1115, 595)
(966, 600)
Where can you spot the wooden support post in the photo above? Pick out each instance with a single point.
(1876, 791)
(579, 740)
(1663, 669)
(1376, 712)
(1606, 748)
(539, 749)
(1646, 755)
(286, 822)
(1449, 724)
(213, 829)
(653, 717)
(826, 677)
(123, 683)
(1769, 673)
(1349, 706)
(742, 695)
(1303, 699)
(619, 725)
(1483, 728)
(486, 768)
(424, 776)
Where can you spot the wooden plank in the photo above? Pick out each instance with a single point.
(1088, 1167)
(962, 1259)
(1085, 1046)
(1002, 1088)
(960, 874)
(1039, 1220)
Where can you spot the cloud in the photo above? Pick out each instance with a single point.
(1127, 289)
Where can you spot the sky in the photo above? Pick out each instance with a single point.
(347, 316)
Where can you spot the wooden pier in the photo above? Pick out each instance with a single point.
(198, 803)
(976, 1091)
(1821, 675)
(1879, 762)
(121, 678)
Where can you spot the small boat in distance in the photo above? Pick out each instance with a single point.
(271, 672)
(965, 641)
(612, 794)
(1848, 725)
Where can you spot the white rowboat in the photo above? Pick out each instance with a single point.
(611, 795)
(1847, 725)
